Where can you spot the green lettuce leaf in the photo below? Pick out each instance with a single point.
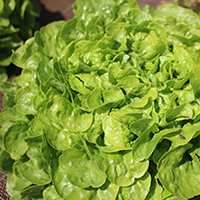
(175, 167)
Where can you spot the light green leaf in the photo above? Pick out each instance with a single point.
(151, 46)
(45, 71)
(143, 125)
(94, 132)
(182, 56)
(109, 10)
(57, 136)
(81, 170)
(9, 90)
(179, 13)
(14, 194)
(22, 54)
(27, 77)
(120, 168)
(132, 85)
(70, 192)
(25, 103)
(70, 32)
(77, 84)
(83, 120)
(138, 16)
(50, 194)
(181, 112)
(46, 38)
(36, 128)
(35, 168)
(8, 113)
(178, 173)
(19, 181)
(1, 5)
(155, 190)
(187, 132)
(138, 190)
(145, 145)
(14, 140)
(116, 134)
(194, 82)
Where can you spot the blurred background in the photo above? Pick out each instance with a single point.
(62, 9)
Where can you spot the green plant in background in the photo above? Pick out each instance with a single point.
(191, 4)
(106, 107)
(17, 24)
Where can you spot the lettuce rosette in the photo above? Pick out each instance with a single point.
(107, 106)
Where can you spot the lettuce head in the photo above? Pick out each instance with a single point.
(107, 106)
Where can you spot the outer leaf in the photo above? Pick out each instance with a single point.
(34, 192)
(105, 98)
(83, 120)
(120, 168)
(93, 134)
(10, 184)
(81, 170)
(6, 162)
(187, 133)
(150, 46)
(14, 140)
(183, 111)
(68, 191)
(58, 137)
(145, 145)
(155, 191)
(8, 113)
(19, 182)
(138, 190)
(178, 12)
(26, 77)
(8, 89)
(178, 173)
(50, 194)
(46, 38)
(109, 10)
(25, 103)
(22, 54)
(35, 168)
(193, 79)
(116, 134)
